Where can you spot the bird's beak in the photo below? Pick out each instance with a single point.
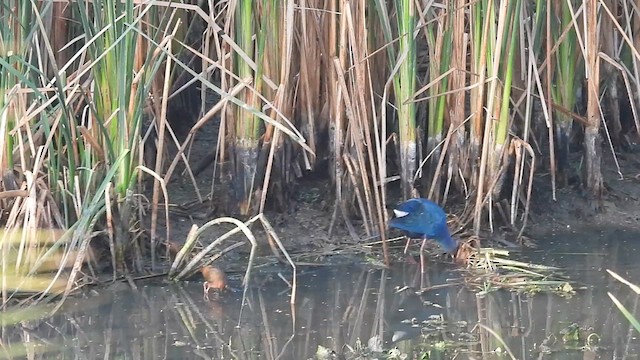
(400, 213)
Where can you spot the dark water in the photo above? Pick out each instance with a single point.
(339, 306)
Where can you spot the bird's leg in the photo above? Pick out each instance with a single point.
(408, 258)
(406, 247)
(205, 287)
(424, 242)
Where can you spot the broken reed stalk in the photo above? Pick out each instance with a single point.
(179, 270)
(592, 147)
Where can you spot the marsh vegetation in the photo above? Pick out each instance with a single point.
(103, 107)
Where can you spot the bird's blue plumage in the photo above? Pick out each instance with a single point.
(422, 218)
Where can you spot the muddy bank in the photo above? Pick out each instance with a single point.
(574, 210)
(310, 225)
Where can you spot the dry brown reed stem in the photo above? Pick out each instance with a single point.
(477, 105)
(161, 124)
(443, 153)
(12, 194)
(339, 141)
(549, 115)
(457, 98)
(201, 122)
(592, 147)
(613, 102)
(110, 229)
(267, 177)
(338, 35)
(623, 71)
(627, 85)
(517, 147)
(165, 194)
(352, 125)
(491, 164)
(310, 96)
(194, 234)
(351, 172)
(361, 132)
(284, 97)
(357, 91)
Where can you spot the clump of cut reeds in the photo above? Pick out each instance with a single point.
(490, 269)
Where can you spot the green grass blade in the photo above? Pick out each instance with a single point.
(632, 320)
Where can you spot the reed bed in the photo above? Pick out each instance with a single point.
(459, 101)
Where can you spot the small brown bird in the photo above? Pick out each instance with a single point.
(214, 278)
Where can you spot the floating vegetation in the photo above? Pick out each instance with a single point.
(437, 338)
(490, 269)
(571, 338)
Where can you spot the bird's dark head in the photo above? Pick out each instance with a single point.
(448, 244)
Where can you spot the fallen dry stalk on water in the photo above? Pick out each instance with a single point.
(489, 269)
(194, 234)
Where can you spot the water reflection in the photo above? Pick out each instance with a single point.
(339, 307)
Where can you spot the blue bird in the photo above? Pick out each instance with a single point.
(422, 218)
